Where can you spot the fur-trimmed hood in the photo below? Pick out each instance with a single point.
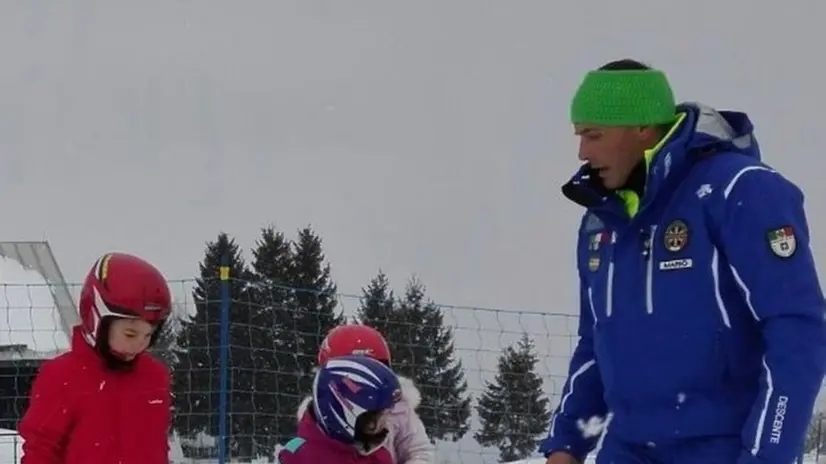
(411, 398)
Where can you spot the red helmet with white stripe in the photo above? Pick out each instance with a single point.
(354, 339)
(123, 286)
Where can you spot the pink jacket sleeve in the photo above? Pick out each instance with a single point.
(411, 445)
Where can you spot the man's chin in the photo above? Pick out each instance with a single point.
(611, 184)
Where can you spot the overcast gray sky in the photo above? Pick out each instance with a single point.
(427, 137)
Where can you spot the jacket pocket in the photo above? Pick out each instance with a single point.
(151, 409)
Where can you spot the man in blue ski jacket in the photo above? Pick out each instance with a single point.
(701, 334)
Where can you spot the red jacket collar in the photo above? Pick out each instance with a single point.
(309, 430)
(80, 345)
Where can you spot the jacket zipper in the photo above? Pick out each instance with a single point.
(609, 288)
(591, 305)
(649, 269)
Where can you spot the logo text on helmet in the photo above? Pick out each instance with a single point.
(362, 352)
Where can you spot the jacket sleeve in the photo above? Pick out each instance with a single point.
(765, 239)
(291, 452)
(48, 420)
(582, 394)
(285, 457)
(412, 444)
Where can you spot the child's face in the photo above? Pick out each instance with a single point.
(130, 337)
(376, 424)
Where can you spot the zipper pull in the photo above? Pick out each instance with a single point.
(646, 243)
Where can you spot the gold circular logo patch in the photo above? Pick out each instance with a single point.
(676, 236)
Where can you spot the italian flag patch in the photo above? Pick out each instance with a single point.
(782, 241)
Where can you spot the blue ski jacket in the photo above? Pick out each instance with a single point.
(701, 311)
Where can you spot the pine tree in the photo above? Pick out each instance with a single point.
(815, 441)
(164, 347)
(425, 352)
(404, 328)
(197, 370)
(378, 307)
(513, 409)
(272, 267)
(313, 313)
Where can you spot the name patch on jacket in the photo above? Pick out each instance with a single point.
(676, 264)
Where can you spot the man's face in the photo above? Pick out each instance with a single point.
(613, 152)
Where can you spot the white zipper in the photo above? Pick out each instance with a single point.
(591, 305)
(649, 272)
(609, 288)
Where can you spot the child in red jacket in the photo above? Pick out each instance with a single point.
(346, 422)
(106, 400)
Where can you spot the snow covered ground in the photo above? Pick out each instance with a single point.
(28, 315)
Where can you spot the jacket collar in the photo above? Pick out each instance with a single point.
(700, 131)
(662, 163)
(82, 347)
(309, 430)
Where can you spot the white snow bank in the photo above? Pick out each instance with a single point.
(28, 315)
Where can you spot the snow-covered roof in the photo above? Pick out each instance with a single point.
(11, 447)
(30, 321)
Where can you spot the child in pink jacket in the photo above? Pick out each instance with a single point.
(406, 433)
(347, 422)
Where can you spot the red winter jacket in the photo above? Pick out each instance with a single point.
(82, 413)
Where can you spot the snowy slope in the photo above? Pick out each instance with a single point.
(28, 314)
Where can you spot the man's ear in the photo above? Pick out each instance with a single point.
(652, 133)
(647, 131)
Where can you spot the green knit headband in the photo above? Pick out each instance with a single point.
(624, 98)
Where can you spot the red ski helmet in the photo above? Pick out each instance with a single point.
(354, 339)
(120, 285)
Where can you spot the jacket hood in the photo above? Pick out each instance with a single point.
(411, 397)
(700, 131)
(708, 129)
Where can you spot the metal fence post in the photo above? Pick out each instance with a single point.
(224, 367)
